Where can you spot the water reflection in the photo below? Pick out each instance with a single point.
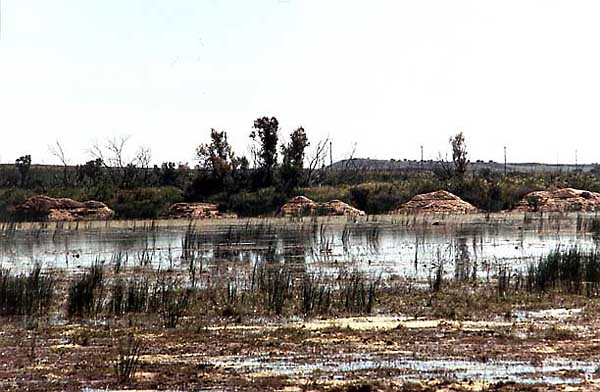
(467, 247)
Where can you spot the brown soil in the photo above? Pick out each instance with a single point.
(438, 201)
(560, 200)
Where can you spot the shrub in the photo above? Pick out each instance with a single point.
(262, 202)
(146, 203)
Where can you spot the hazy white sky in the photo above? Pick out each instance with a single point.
(387, 75)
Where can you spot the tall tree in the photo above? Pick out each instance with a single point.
(459, 154)
(216, 156)
(265, 135)
(220, 169)
(293, 159)
(23, 165)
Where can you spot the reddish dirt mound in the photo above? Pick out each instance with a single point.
(438, 201)
(303, 206)
(338, 207)
(196, 211)
(63, 209)
(298, 206)
(560, 200)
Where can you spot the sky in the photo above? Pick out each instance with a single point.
(380, 77)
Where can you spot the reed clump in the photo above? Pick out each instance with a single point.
(25, 294)
(86, 292)
(573, 271)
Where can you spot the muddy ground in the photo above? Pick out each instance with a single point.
(516, 347)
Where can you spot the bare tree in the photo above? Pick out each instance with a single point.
(57, 150)
(316, 159)
(143, 159)
(122, 167)
(351, 169)
(443, 169)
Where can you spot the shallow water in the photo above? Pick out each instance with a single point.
(406, 246)
(342, 366)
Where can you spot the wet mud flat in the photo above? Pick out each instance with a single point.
(528, 349)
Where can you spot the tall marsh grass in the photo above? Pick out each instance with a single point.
(86, 292)
(25, 294)
(573, 271)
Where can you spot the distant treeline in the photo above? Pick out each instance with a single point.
(275, 170)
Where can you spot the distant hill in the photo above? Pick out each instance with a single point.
(430, 165)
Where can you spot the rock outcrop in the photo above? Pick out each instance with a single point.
(303, 206)
(438, 201)
(63, 209)
(196, 211)
(560, 200)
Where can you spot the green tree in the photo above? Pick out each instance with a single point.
(217, 156)
(459, 154)
(220, 168)
(265, 135)
(23, 165)
(293, 160)
(90, 172)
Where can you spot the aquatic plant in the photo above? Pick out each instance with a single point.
(85, 293)
(315, 294)
(357, 292)
(129, 296)
(129, 350)
(174, 301)
(274, 282)
(573, 271)
(25, 294)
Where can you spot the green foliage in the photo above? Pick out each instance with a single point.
(262, 202)
(25, 294)
(146, 203)
(216, 157)
(219, 168)
(293, 160)
(326, 192)
(23, 165)
(9, 198)
(266, 135)
(85, 294)
(377, 198)
(382, 197)
(459, 154)
(572, 270)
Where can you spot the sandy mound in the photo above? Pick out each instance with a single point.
(303, 206)
(63, 209)
(560, 200)
(196, 211)
(438, 201)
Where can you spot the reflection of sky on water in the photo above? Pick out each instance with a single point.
(557, 371)
(383, 247)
